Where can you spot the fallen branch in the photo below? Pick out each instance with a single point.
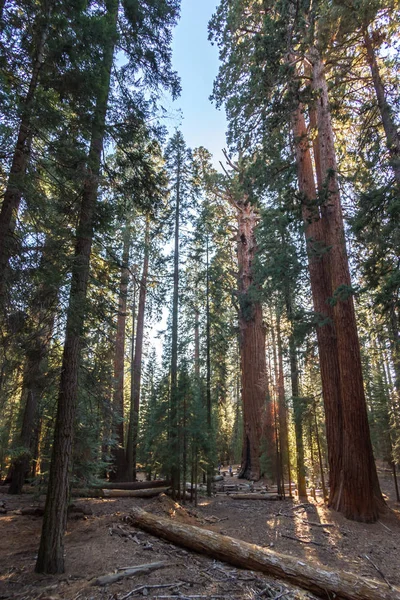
(151, 587)
(305, 521)
(326, 583)
(379, 571)
(302, 540)
(139, 570)
(253, 496)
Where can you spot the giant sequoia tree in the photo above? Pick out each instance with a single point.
(274, 35)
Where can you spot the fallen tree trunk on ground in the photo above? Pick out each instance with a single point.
(254, 496)
(134, 493)
(325, 583)
(132, 485)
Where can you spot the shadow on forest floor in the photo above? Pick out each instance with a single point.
(98, 544)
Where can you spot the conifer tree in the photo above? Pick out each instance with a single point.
(51, 551)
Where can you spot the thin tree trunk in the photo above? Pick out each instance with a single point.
(137, 363)
(51, 550)
(130, 441)
(319, 269)
(175, 466)
(321, 467)
(118, 452)
(208, 377)
(298, 411)
(360, 497)
(282, 402)
(388, 122)
(15, 184)
(252, 351)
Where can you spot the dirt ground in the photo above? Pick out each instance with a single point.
(103, 542)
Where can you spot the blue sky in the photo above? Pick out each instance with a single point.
(196, 62)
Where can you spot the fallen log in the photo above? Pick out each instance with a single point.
(254, 496)
(132, 485)
(134, 493)
(323, 582)
(129, 572)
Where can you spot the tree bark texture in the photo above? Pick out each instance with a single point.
(359, 496)
(137, 363)
(258, 419)
(51, 550)
(118, 452)
(319, 270)
(323, 582)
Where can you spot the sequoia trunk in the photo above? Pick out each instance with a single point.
(257, 415)
(359, 497)
(319, 269)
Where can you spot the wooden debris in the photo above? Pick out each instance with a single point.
(152, 587)
(326, 583)
(145, 493)
(139, 570)
(378, 571)
(305, 521)
(254, 496)
(133, 485)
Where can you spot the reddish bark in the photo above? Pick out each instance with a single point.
(258, 419)
(359, 497)
(319, 269)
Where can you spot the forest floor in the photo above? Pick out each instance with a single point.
(101, 543)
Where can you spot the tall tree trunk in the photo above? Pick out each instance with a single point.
(175, 465)
(208, 376)
(257, 418)
(321, 466)
(119, 455)
(283, 424)
(15, 184)
(197, 346)
(319, 269)
(359, 495)
(388, 122)
(130, 442)
(297, 406)
(137, 363)
(51, 551)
